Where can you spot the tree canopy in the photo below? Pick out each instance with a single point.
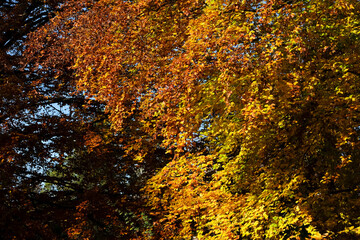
(64, 174)
(215, 119)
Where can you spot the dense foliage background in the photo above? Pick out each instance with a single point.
(169, 119)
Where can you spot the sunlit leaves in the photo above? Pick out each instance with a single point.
(258, 101)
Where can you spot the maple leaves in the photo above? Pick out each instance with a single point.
(256, 100)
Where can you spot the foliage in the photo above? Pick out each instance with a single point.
(63, 172)
(257, 100)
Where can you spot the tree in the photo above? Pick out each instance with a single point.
(268, 89)
(64, 172)
(21, 127)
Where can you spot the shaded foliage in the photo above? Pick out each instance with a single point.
(64, 172)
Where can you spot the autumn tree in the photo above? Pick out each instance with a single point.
(64, 172)
(258, 101)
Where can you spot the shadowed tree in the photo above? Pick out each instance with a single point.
(63, 172)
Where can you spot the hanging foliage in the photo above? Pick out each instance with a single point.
(257, 100)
